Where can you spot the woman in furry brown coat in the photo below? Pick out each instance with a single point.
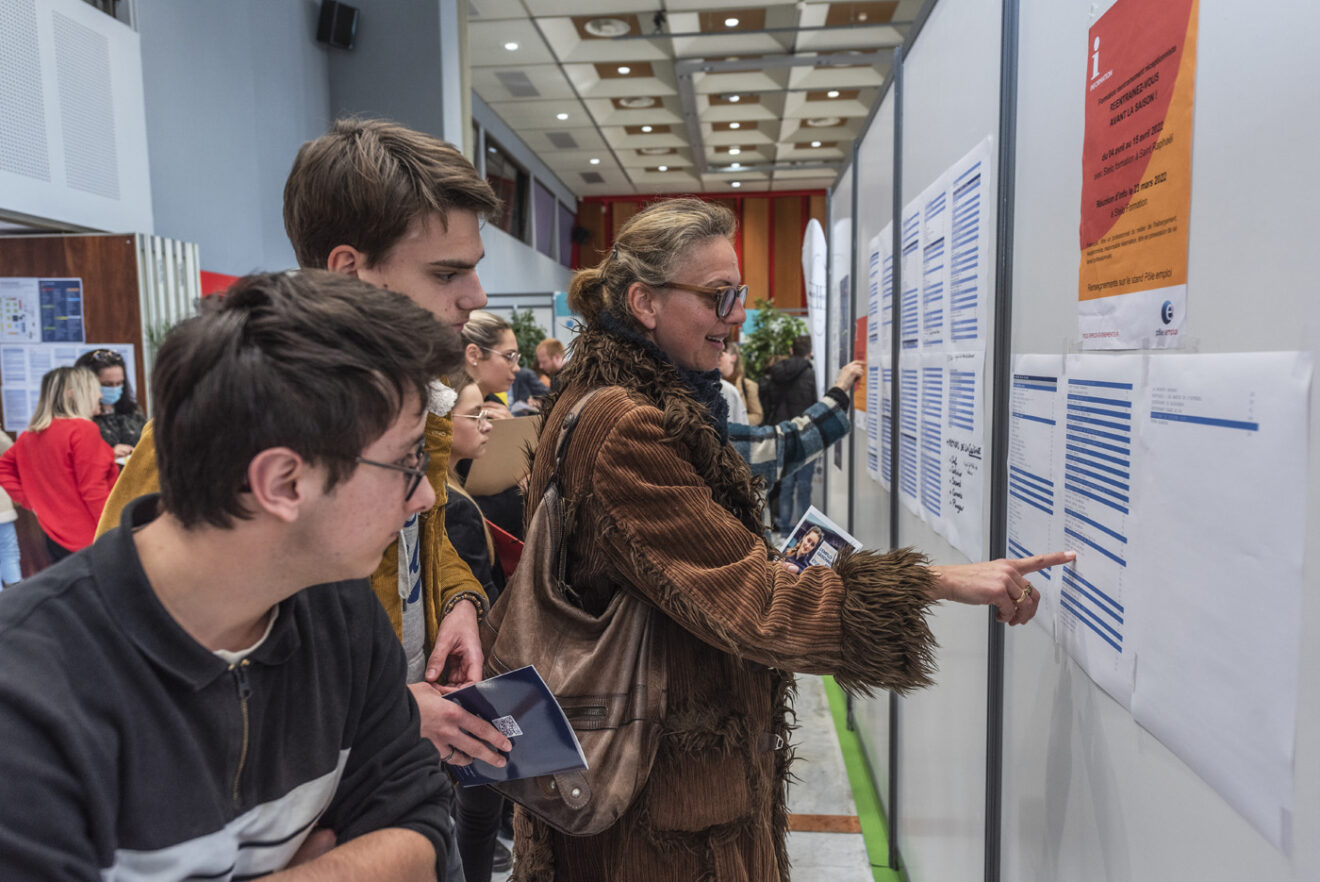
(661, 505)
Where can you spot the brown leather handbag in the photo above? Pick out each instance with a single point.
(607, 672)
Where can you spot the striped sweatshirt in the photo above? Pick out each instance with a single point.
(131, 752)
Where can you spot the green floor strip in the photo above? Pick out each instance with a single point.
(874, 831)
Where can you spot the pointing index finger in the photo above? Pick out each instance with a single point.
(1038, 562)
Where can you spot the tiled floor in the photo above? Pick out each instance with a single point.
(822, 789)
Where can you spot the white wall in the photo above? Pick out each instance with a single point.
(511, 267)
(232, 90)
(73, 142)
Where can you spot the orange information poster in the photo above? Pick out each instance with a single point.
(1137, 175)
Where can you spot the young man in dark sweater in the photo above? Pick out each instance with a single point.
(212, 690)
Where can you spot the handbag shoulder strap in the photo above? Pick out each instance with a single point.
(566, 432)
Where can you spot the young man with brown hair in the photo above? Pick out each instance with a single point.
(401, 210)
(208, 691)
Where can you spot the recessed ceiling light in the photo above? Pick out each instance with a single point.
(646, 128)
(861, 16)
(734, 151)
(637, 102)
(731, 22)
(734, 99)
(735, 183)
(594, 161)
(561, 116)
(662, 168)
(736, 165)
(656, 151)
(606, 27)
(735, 125)
(624, 70)
(815, 143)
(511, 46)
(832, 93)
(824, 122)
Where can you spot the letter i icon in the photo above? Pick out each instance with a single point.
(1095, 59)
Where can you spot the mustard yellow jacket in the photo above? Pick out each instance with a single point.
(444, 574)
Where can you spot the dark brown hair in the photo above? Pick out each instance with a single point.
(97, 360)
(366, 180)
(648, 248)
(311, 360)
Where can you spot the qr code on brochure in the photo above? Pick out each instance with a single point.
(508, 726)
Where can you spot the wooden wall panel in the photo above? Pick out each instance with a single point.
(756, 248)
(592, 217)
(111, 314)
(623, 212)
(786, 259)
(816, 209)
(108, 267)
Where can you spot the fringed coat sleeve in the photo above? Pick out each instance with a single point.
(862, 620)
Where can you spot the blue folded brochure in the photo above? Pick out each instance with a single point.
(524, 709)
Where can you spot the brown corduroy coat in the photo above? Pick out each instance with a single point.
(659, 506)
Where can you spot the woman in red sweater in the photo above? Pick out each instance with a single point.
(60, 468)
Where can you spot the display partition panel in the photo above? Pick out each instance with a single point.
(950, 113)
(1088, 792)
(839, 337)
(871, 504)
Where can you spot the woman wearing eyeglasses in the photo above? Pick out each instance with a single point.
(478, 810)
(665, 507)
(490, 357)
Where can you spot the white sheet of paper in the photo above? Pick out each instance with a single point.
(885, 475)
(886, 242)
(909, 323)
(909, 406)
(934, 383)
(964, 452)
(815, 259)
(1101, 400)
(934, 205)
(970, 228)
(1223, 445)
(23, 365)
(1035, 442)
(875, 343)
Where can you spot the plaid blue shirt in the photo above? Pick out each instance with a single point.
(776, 451)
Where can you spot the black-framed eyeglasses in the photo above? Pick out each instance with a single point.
(724, 296)
(510, 357)
(413, 465)
(482, 417)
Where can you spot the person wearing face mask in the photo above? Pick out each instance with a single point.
(118, 416)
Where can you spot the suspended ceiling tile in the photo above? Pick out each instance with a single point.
(495, 84)
(539, 141)
(589, 7)
(590, 83)
(565, 38)
(486, 42)
(609, 112)
(741, 81)
(816, 78)
(522, 115)
(847, 38)
(483, 10)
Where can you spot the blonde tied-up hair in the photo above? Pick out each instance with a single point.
(65, 392)
(647, 250)
(484, 329)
